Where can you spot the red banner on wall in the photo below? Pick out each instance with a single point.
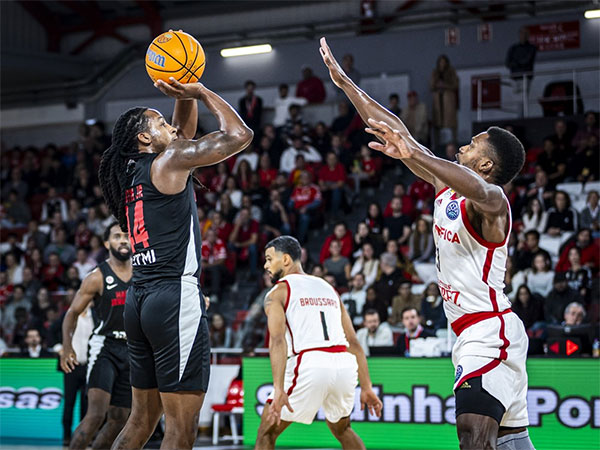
(555, 36)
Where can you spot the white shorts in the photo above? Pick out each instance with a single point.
(496, 350)
(316, 378)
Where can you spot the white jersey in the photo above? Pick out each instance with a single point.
(470, 269)
(313, 315)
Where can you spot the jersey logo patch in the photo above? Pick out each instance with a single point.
(459, 371)
(465, 385)
(110, 286)
(109, 279)
(452, 210)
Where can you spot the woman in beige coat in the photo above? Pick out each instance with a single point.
(444, 90)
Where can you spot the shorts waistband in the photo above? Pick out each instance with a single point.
(464, 322)
(333, 349)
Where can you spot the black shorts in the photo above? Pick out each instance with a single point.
(108, 369)
(472, 398)
(167, 335)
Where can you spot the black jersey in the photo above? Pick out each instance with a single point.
(108, 307)
(163, 229)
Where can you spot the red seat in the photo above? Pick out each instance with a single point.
(235, 397)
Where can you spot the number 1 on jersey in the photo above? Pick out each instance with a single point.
(325, 334)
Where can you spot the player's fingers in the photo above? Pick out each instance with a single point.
(176, 84)
(287, 403)
(377, 146)
(375, 131)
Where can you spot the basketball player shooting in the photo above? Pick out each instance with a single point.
(471, 227)
(310, 328)
(146, 179)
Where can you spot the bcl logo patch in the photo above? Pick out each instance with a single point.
(109, 279)
(452, 210)
(459, 371)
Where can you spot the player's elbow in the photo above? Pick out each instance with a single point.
(243, 136)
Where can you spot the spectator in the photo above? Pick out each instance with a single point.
(529, 307)
(403, 301)
(527, 249)
(342, 122)
(226, 208)
(214, 255)
(589, 129)
(311, 87)
(415, 118)
(375, 219)
(589, 215)
(408, 208)
(366, 264)
(423, 193)
(590, 252)
(539, 277)
(553, 162)
(535, 218)
(34, 345)
(342, 234)
(233, 192)
(30, 284)
(362, 236)
(574, 314)
(337, 265)
(322, 139)
(559, 297)
(53, 204)
(83, 189)
(17, 211)
(34, 233)
(250, 156)
(253, 330)
(266, 173)
(541, 189)
(282, 105)
(421, 242)
(14, 268)
(561, 217)
(275, 218)
(578, 276)
(366, 171)
(444, 88)
(84, 264)
(349, 69)
(451, 151)
(295, 124)
(244, 238)
(97, 250)
(332, 181)
(520, 59)
(299, 147)
(305, 200)
(411, 321)
(62, 248)
(35, 262)
(375, 333)
(255, 211)
(432, 308)
(251, 107)
(397, 226)
(561, 137)
(220, 332)
(394, 104)
(317, 271)
(389, 280)
(17, 184)
(354, 300)
(585, 164)
(16, 300)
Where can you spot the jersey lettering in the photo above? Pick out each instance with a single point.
(447, 234)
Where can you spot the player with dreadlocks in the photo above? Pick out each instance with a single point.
(146, 179)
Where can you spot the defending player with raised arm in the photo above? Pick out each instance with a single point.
(315, 356)
(109, 390)
(471, 228)
(146, 179)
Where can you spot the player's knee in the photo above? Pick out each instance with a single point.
(339, 428)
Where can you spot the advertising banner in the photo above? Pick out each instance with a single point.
(555, 35)
(418, 405)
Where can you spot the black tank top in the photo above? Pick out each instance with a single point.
(109, 307)
(163, 229)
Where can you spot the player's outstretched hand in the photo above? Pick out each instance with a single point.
(393, 145)
(206, 302)
(179, 91)
(68, 360)
(336, 72)
(279, 401)
(370, 399)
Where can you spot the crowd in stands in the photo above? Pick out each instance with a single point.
(308, 180)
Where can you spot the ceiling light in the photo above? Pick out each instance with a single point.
(592, 14)
(248, 50)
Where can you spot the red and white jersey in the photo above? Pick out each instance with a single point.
(312, 314)
(470, 269)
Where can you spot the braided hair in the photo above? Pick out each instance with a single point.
(118, 161)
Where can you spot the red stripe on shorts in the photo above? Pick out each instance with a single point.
(485, 369)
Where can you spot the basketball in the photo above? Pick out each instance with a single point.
(175, 54)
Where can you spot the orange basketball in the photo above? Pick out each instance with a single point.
(175, 54)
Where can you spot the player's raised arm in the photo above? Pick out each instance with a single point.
(91, 285)
(485, 196)
(367, 395)
(368, 108)
(275, 312)
(185, 118)
(233, 135)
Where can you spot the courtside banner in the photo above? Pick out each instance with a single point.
(31, 400)
(418, 405)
